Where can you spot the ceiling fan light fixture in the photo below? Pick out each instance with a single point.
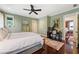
(32, 10)
(75, 5)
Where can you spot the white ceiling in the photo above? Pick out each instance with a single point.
(47, 9)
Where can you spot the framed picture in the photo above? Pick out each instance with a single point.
(57, 23)
(10, 21)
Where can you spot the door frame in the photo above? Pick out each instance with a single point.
(71, 14)
(78, 27)
(75, 28)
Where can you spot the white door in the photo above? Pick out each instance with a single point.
(34, 26)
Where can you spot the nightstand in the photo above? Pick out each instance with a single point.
(53, 47)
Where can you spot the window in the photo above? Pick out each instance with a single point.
(71, 25)
(1, 20)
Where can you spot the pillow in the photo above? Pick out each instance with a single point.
(5, 29)
(3, 34)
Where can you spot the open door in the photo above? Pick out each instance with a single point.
(71, 33)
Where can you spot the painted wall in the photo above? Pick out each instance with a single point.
(48, 21)
(18, 20)
(17, 23)
(61, 16)
(42, 25)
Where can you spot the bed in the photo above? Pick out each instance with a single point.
(13, 43)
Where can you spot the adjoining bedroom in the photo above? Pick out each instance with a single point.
(39, 28)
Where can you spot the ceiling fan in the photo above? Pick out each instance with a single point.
(32, 10)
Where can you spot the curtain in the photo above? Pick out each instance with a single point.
(1, 20)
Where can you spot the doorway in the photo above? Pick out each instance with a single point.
(70, 33)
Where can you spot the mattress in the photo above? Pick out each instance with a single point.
(27, 50)
(19, 40)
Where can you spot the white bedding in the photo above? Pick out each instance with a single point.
(19, 40)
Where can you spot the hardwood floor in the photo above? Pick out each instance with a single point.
(52, 51)
(71, 49)
(65, 49)
(40, 51)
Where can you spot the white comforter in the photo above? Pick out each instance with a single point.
(18, 41)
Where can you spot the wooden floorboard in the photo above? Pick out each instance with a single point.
(42, 51)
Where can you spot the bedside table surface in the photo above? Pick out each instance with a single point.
(53, 44)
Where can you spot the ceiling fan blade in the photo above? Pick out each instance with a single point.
(38, 10)
(36, 13)
(32, 6)
(30, 12)
(27, 9)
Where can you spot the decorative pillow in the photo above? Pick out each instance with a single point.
(5, 29)
(3, 34)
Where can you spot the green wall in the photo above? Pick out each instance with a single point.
(48, 21)
(42, 25)
(61, 16)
